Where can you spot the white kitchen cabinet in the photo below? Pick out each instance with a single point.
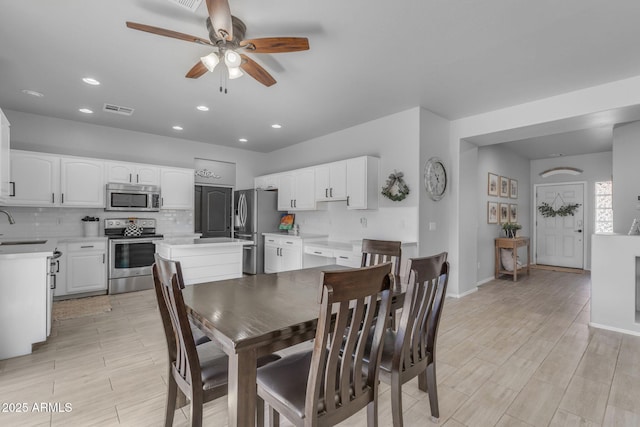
(282, 253)
(35, 179)
(296, 190)
(81, 182)
(362, 183)
(86, 267)
(177, 188)
(4, 157)
(267, 182)
(331, 181)
(132, 173)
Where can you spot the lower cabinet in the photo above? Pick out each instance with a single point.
(83, 268)
(282, 254)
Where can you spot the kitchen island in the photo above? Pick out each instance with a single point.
(25, 295)
(205, 260)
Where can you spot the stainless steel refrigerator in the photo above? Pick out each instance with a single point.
(256, 212)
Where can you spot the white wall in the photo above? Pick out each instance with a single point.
(395, 140)
(501, 161)
(51, 135)
(626, 176)
(596, 167)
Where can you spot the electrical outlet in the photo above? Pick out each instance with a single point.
(363, 222)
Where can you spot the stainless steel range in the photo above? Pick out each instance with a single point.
(131, 251)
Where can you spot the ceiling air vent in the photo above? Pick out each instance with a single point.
(192, 5)
(111, 108)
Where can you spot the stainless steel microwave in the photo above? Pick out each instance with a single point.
(128, 197)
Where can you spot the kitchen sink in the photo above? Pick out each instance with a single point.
(23, 242)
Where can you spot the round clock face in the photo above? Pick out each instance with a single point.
(435, 178)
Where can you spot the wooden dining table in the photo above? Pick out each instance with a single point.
(256, 315)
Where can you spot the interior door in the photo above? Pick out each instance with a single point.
(215, 218)
(560, 240)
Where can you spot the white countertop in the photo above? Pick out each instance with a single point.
(209, 241)
(27, 251)
(342, 246)
(299, 236)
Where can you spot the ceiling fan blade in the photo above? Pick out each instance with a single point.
(196, 71)
(254, 69)
(168, 33)
(220, 15)
(276, 44)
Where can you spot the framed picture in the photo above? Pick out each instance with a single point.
(504, 186)
(492, 212)
(513, 212)
(492, 186)
(513, 188)
(503, 209)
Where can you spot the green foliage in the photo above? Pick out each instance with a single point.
(395, 179)
(547, 211)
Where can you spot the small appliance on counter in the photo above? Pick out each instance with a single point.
(131, 253)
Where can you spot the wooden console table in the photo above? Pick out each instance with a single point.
(513, 244)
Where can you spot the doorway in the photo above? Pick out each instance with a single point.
(560, 239)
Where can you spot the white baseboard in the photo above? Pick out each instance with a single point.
(483, 281)
(611, 328)
(463, 294)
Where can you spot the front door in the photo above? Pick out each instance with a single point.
(560, 239)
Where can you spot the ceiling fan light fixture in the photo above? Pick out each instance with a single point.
(235, 72)
(210, 61)
(232, 59)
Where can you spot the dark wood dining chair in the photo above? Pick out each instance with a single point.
(321, 387)
(380, 251)
(411, 350)
(200, 372)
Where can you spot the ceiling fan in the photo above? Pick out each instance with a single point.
(226, 34)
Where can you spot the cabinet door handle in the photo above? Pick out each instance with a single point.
(316, 252)
(13, 186)
(291, 202)
(295, 203)
(347, 200)
(130, 178)
(62, 198)
(331, 192)
(137, 178)
(343, 257)
(161, 201)
(86, 247)
(103, 256)
(53, 197)
(325, 193)
(58, 269)
(55, 282)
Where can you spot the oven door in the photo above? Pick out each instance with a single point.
(131, 257)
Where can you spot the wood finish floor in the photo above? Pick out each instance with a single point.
(511, 354)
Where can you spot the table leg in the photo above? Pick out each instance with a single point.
(514, 256)
(528, 259)
(241, 397)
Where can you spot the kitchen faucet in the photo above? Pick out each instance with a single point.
(11, 220)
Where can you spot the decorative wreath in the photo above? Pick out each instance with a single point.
(395, 189)
(547, 210)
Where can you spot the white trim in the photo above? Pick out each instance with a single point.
(611, 328)
(483, 281)
(585, 222)
(463, 294)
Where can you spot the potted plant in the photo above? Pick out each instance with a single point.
(510, 228)
(90, 225)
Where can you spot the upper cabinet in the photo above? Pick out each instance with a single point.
(331, 181)
(132, 173)
(35, 179)
(4, 157)
(362, 183)
(81, 182)
(296, 190)
(177, 187)
(39, 179)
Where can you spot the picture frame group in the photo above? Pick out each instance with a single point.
(502, 186)
(500, 213)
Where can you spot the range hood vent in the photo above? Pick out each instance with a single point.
(192, 5)
(118, 109)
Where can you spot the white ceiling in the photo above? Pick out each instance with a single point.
(368, 59)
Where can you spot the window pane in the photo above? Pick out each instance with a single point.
(603, 187)
(604, 202)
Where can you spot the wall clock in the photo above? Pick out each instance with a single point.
(435, 178)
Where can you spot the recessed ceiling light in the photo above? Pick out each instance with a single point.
(276, 126)
(556, 155)
(243, 140)
(32, 93)
(202, 108)
(91, 81)
(178, 127)
(85, 110)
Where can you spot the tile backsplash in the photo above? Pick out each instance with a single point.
(66, 222)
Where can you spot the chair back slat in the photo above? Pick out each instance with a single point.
(376, 252)
(421, 311)
(169, 284)
(349, 301)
